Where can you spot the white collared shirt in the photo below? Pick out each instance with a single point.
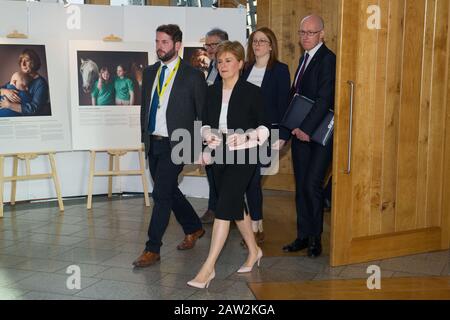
(311, 53)
(161, 120)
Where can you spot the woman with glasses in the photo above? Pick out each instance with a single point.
(265, 71)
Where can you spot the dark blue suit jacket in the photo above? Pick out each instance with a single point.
(317, 84)
(275, 89)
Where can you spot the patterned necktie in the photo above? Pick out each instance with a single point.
(302, 71)
(212, 74)
(155, 102)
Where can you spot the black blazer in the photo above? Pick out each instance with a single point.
(318, 84)
(275, 89)
(186, 101)
(245, 109)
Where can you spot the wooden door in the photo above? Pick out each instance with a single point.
(391, 165)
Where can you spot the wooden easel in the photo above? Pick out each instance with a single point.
(114, 170)
(27, 157)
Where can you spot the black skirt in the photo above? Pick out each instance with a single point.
(232, 177)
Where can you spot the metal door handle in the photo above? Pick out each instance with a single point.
(352, 95)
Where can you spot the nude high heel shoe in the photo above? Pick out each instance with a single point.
(202, 285)
(245, 269)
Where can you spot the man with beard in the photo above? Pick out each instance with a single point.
(173, 95)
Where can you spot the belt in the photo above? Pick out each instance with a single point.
(155, 137)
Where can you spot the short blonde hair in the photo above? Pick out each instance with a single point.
(233, 47)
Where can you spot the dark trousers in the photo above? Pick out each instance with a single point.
(167, 196)
(310, 161)
(212, 200)
(254, 195)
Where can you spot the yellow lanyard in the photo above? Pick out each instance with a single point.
(171, 75)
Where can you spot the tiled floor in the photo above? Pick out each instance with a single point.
(38, 244)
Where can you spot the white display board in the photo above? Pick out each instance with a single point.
(107, 126)
(35, 130)
(55, 26)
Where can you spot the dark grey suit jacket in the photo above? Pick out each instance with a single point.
(185, 106)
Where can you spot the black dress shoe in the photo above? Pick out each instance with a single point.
(297, 245)
(314, 247)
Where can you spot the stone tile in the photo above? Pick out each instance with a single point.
(414, 265)
(101, 233)
(123, 260)
(6, 243)
(302, 264)
(9, 261)
(59, 229)
(86, 255)
(352, 272)
(94, 243)
(9, 276)
(38, 295)
(272, 275)
(20, 224)
(52, 283)
(408, 275)
(42, 265)
(86, 270)
(113, 290)
(140, 276)
(11, 294)
(53, 240)
(13, 235)
(34, 250)
(446, 270)
(205, 294)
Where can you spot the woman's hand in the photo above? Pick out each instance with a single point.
(12, 95)
(212, 140)
(237, 139)
(279, 144)
(204, 159)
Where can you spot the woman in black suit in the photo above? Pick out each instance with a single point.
(265, 71)
(233, 128)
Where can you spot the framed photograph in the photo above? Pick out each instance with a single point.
(106, 85)
(34, 114)
(195, 55)
(24, 81)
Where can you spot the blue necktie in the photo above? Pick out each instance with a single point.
(155, 102)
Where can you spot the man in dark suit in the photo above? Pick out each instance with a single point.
(315, 79)
(173, 95)
(212, 39)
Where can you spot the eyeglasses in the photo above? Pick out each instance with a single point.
(260, 42)
(211, 45)
(310, 34)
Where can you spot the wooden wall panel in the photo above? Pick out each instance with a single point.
(409, 115)
(364, 127)
(283, 17)
(400, 179)
(438, 108)
(424, 123)
(379, 115)
(391, 120)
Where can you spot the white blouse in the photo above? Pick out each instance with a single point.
(256, 76)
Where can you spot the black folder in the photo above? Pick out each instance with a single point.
(297, 111)
(324, 132)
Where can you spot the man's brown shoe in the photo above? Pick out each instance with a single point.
(190, 239)
(146, 259)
